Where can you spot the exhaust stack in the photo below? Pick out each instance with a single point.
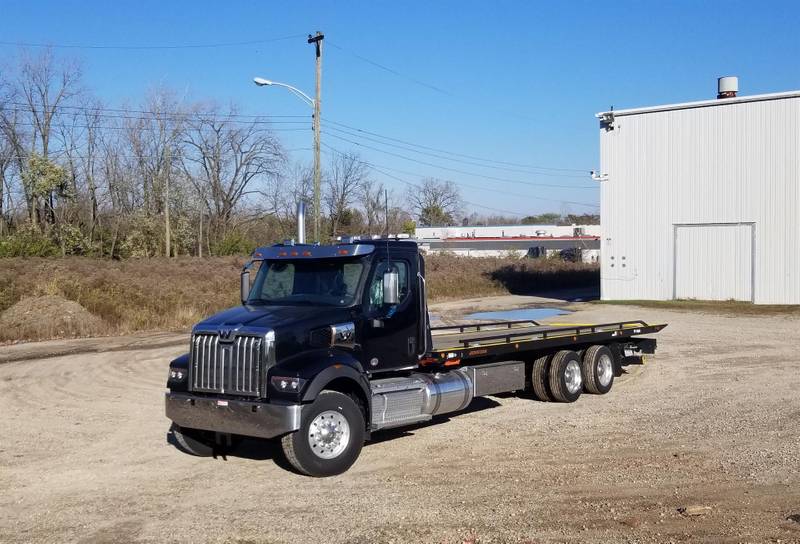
(301, 222)
(727, 87)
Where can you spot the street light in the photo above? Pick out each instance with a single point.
(261, 82)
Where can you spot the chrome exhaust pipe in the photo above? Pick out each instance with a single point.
(301, 222)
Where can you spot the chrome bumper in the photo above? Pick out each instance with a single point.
(232, 416)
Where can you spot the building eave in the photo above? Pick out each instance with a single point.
(700, 104)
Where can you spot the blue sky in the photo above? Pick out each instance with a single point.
(517, 82)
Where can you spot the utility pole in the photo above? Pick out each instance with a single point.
(386, 206)
(167, 237)
(317, 41)
(200, 237)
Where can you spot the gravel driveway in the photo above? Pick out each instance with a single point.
(711, 423)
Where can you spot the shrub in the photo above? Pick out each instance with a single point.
(143, 239)
(27, 241)
(233, 243)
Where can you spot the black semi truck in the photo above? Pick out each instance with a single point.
(332, 343)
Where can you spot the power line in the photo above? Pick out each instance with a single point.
(461, 183)
(165, 114)
(62, 154)
(391, 70)
(460, 161)
(465, 201)
(378, 168)
(102, 127)
(137, 114)
(151, 47)
(108, 116)
(473, 157)
(456, 170)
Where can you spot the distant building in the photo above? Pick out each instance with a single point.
(701, 200)
(519, 240)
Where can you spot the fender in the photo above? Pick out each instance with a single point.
(320, 367)
(181, 361)
(335, 372)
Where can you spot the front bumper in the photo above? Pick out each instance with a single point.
(232, 416)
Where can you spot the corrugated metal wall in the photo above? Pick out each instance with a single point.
(728, 163)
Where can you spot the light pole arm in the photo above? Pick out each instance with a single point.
(297, 92)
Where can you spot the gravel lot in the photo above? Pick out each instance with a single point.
(713, 420)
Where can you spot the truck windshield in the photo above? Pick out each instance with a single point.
(329, 282)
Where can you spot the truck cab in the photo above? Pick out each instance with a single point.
(314, 318)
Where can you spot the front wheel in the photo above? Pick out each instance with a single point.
(193, 441)
(330, 436)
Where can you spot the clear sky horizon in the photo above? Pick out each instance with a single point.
(515, 82)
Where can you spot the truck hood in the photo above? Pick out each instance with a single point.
(273, 317)
(292, 324)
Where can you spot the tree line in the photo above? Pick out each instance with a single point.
(164, 177)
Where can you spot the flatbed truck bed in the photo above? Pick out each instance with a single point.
(501, 338)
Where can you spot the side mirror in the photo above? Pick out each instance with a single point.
(245, 287)
(391, 287)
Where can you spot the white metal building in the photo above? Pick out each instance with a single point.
(701, 200)
(502, 231)
(511, 240)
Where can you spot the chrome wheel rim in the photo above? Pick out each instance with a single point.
(329, 434)
(605, 370)
(572, 377)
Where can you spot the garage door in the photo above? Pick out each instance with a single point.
(714, 261)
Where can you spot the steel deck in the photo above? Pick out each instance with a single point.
(499, 338)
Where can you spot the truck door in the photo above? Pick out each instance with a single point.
(390, 337)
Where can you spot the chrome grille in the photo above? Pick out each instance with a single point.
(234, 367)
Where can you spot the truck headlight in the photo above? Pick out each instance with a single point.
(287, 384)
(177, 374)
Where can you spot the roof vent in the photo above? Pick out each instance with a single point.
(727, 87)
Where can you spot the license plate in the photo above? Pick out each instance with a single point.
(222, 403)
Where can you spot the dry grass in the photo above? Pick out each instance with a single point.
(453, 277)
(161, 294)
(48, 317)
(725, 307)
(129, 295)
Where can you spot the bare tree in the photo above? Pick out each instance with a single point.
(155, 142)
(346, 174)
(435, 201)
(225, 159)
(372, 197)
(285, 191)
(44, 85)
(6, 165)
(160, 178)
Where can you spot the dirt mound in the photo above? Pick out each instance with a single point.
(50, 316)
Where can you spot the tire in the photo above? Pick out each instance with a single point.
(330, 437)
(539, 376)
(566, 380)
(193, 441)
(598, 370)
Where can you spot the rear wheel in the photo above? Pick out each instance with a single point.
(566, 382)
(330, 436)
(598, 370)
(539, 376)
(193, 441)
